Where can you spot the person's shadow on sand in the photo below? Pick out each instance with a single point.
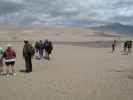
(130, 77)
(22, 71)
(111, 52)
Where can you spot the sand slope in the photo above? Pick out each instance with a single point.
(52, 33)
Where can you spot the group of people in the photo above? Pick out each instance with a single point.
(8, 56)
(41, 46)
(127, 46)
(29, 51)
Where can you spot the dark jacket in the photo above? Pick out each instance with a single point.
(28, 50)
(37, 45)
(50, 47)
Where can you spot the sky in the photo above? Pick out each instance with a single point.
(66, 12)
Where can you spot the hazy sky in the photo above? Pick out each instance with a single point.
(66, 12)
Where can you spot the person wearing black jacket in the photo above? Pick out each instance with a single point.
(49, 50)
(28, 52)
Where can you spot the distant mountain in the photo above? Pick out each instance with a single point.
(115, 28)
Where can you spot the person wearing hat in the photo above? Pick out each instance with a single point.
(9, 57)
(28, 52)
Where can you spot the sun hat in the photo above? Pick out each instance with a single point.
(9, 45)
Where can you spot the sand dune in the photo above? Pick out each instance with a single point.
(53, 33)
(78, 69)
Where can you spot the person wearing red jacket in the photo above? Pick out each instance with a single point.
(9, 56)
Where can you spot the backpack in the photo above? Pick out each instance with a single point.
(32, 50)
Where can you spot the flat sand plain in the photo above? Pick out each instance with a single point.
(76, 71)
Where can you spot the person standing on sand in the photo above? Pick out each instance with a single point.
(125, 46)
(1, 61)
(28, 52)
(9, 57)
(113, 45)
(37, 47)
(50, 48)
(129, 46)
(41, 49)
(45, 46)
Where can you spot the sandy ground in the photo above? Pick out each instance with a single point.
(73, 73)
(78, 69)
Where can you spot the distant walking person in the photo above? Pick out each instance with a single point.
(28, 52)
(129, 46)
(49, 50)
(9, 57)
(113, 45)
(41, 49)
(37, 48)
(45, 45)
(1, 61)
(125, 46)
